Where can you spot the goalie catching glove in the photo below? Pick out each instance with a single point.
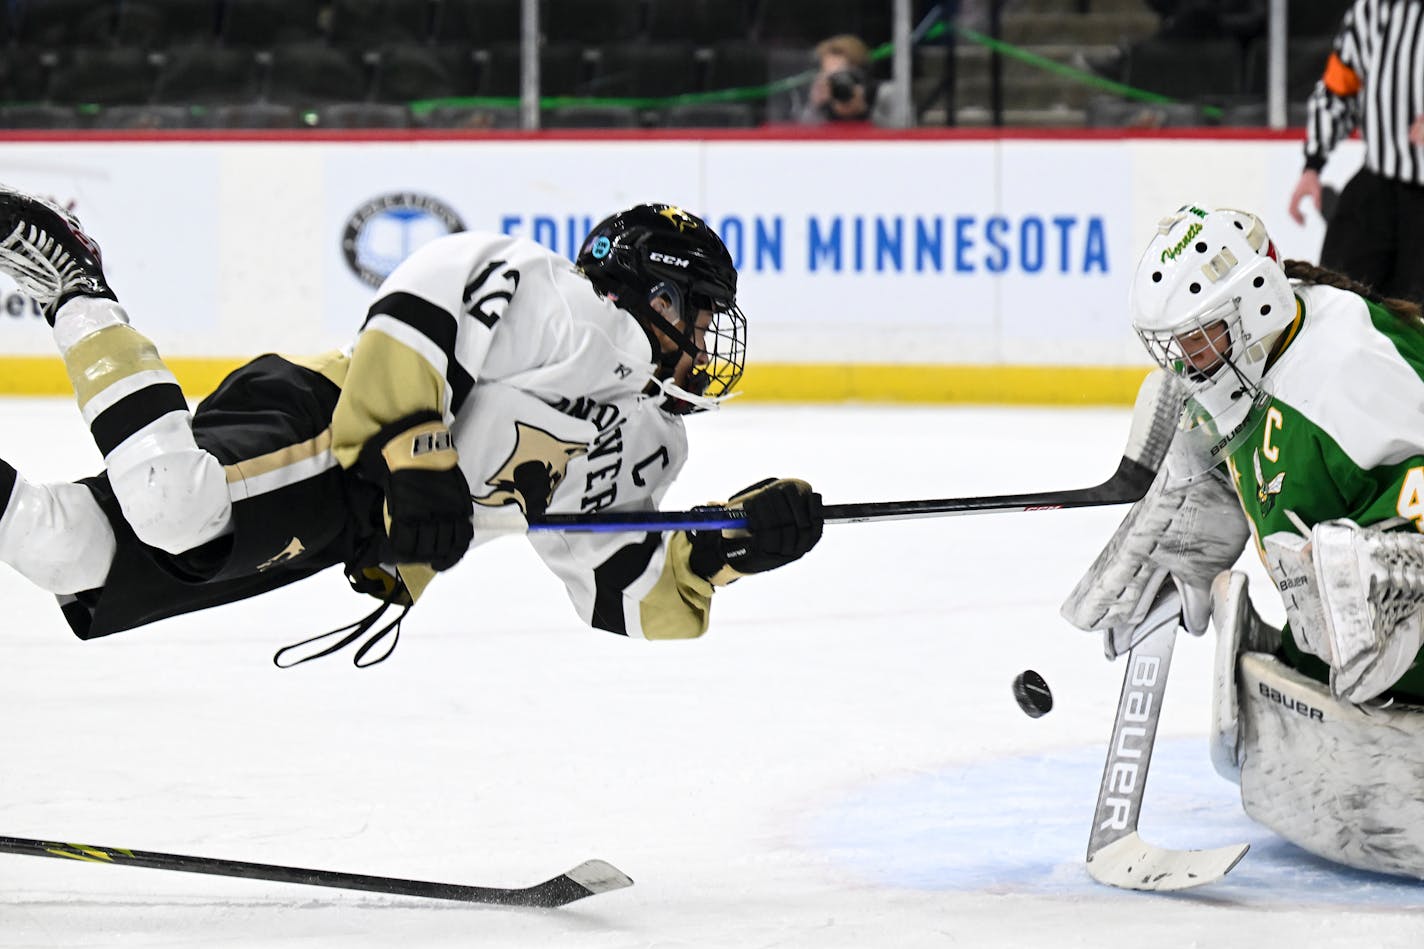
(428, 508)
(1354, 597)
(1183, 530)
(784, 521)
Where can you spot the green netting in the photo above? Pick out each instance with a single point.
(758, 93)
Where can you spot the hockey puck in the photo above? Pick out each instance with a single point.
(1032, 694)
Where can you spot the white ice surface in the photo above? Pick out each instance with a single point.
(838, 763)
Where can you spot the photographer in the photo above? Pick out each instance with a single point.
(843, 90)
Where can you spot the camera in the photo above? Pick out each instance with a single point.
(844, 82)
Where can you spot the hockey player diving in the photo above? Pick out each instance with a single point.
(489, 372)
(1303, 430)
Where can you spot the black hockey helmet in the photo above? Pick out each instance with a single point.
(657, 250)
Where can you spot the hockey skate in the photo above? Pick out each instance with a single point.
(46, 252)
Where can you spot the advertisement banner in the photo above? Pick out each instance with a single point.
(974, 252)
(383, 201)
(156, 211)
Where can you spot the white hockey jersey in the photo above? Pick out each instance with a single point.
(541, 382)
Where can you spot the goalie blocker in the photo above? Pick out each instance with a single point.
(1334, 778)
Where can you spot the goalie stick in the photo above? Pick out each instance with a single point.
(1117, 854)
(586, 879)
(1154, 422)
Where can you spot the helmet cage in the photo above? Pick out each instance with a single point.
(1215, 331)
(724, 343)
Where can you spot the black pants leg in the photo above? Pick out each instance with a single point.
(260, 421)
(1362, 237)
(1408, 275)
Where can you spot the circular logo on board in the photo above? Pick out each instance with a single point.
(386, 230)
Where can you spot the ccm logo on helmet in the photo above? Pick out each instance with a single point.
(658, 258)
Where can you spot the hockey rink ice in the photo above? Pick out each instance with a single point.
(838, 763)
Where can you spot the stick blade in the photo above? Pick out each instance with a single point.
(587, 879)
(1131, 863)
(599, 876)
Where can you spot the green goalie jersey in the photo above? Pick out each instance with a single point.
(1342, 435)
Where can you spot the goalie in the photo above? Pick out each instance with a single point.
(1303, 429)
(489, 372)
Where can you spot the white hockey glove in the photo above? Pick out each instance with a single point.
(1187, 530)
(1355, 598)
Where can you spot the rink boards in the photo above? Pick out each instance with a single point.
(928, 267)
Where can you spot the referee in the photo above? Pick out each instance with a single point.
(1373, 81)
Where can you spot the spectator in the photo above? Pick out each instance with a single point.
(1376, 233)
(844, 90)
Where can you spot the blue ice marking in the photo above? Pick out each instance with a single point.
(1020, 825)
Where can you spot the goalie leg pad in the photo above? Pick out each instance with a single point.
(1336, 779)
(1238, 629)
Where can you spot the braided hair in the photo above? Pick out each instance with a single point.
(1407, 310)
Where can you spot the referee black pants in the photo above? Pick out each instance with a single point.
(1376, 236)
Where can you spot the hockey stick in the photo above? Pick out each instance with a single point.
(586, 879)
(1117, 854)
(1153, 423)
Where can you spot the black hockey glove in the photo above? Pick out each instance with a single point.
(428, 506)
(783, 522)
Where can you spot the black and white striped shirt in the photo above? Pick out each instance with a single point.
(1373, 81)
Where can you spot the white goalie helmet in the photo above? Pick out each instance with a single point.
(1209, 300)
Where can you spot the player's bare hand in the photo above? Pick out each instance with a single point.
(1307, 187)
(1416, 131)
